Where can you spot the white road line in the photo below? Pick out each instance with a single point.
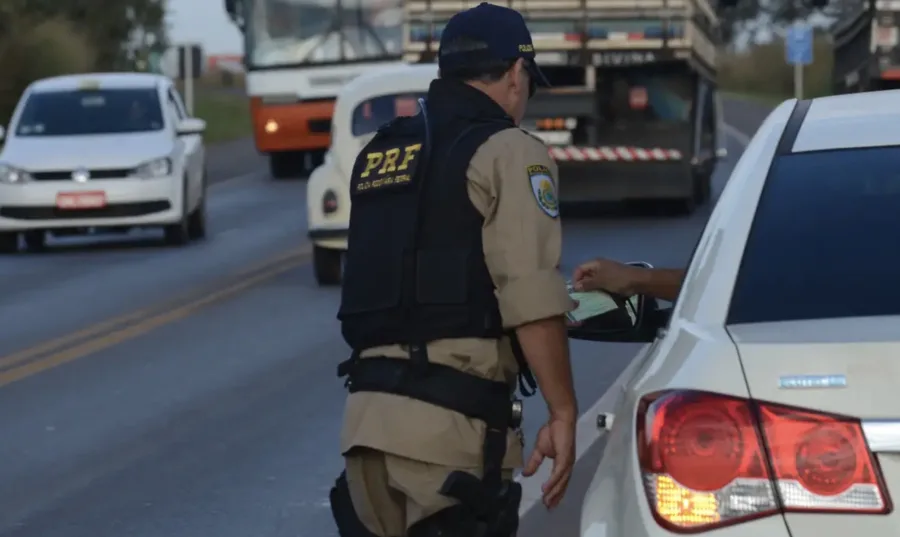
(586, 429)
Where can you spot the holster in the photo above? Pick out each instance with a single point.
(345, 517)
(495, 511)
(490, 504)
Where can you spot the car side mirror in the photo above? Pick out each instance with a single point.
(190, 126)
(635, 320)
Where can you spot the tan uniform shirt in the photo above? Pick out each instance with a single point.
(512, 183)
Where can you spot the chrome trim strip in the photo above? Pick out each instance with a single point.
(883, 436)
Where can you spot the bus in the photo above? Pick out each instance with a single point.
(297, 55)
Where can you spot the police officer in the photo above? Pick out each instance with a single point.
(450, 289)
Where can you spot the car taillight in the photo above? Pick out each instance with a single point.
(710, 460)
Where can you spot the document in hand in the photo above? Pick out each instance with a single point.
(590, 304)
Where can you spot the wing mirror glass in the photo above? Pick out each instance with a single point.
(616, 319)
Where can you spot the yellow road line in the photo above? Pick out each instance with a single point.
(119, 321)
(147, 325)
(53, 344)
(300, 251)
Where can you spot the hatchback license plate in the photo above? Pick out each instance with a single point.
(81, 200)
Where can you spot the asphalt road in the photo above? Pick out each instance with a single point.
(147, 391)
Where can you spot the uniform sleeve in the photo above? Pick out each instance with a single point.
(512, 181)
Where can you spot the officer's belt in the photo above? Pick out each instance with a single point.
(444, 386)
(440, 385)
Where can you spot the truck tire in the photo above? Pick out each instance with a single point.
(687, 205)
(281, 165)
(702, 188)
(684, 207)
(9, 242)
(35, 240)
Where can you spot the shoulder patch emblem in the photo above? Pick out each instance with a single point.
(544, 189)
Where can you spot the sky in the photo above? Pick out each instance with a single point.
(204, 22)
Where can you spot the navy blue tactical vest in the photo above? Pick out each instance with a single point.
(415, 269)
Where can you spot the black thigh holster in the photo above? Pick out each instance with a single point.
(491, 503)
(345, 517)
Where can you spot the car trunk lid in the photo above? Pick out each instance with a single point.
(849, 367)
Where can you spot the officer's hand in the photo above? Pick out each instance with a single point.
(606, 275)
(555, 440)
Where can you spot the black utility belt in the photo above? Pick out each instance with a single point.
(440, 385)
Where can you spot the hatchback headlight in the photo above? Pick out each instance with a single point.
(13, 176)
(160, 167)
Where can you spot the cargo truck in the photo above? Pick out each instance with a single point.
(883, 69)
(633, 113)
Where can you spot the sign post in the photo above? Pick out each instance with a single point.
(798, 48)
(154, 62)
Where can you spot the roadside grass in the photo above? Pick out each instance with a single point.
(223, 106)
(227, 115)
(762, 74)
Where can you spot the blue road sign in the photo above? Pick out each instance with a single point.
(798, 44)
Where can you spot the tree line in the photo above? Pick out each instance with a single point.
(40, 38)
(750, 17)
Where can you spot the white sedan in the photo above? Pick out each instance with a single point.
(363, 105)
(766, 402)
(101, 152)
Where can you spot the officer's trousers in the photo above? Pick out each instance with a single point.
(390, 494)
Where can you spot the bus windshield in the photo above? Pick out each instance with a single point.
(293, 32)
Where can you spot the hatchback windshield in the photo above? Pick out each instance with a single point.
(371, 114)
(110, 111)
(825, 241)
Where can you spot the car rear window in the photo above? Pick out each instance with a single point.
(646, 95)
(825, 241)
(371, 114)
(105, 111)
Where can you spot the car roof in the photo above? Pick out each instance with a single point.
(99, 80)
(856, 120)
(392, 79)
(395, 79)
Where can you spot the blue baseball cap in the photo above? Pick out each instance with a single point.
(503, 32)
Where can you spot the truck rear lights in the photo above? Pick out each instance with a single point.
(557, 123)
(709, 461)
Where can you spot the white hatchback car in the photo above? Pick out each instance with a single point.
(767, 400)
(101, 152)
(363, 105)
